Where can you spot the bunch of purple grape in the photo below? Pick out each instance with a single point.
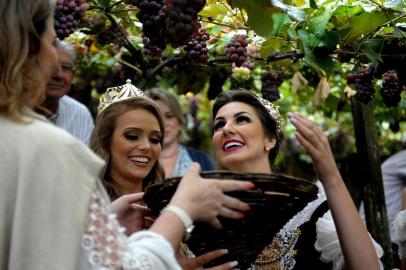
(150, 49)
(363, 84)
(152, 16)
(96, 22)
(113, 34)
(236, 49)
(391, 89)
(270, 84)
(181, 21)
(67, 17)
(196, 47)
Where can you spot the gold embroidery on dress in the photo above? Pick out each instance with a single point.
(280, 254)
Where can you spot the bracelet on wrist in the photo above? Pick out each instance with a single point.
(184, 217)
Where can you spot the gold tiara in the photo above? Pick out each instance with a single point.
(116, 94)
(273, 112)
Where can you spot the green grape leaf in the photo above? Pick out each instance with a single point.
(318, 24)
(348, 11)
(104, 3)
(259, 15)
(270, 45)
(313, 4)
(279, 20)
(308, 41)
(372, 49)
(365, 23)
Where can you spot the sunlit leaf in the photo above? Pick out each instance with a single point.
(270, 45)
(395, 4)
(213, 10)
(293, 12)
(348, 10)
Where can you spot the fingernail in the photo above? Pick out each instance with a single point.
(224, 251)
(251, 186)
(290, 114)
(248, 208)
(233, 264)
(242, 216)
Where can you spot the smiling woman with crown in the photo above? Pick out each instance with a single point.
(247, 133)
(128, 135)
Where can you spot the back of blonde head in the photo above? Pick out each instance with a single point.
(21, 26)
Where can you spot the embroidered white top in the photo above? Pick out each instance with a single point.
(54, 211)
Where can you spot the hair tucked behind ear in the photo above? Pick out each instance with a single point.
(22, 24)
(103, 132)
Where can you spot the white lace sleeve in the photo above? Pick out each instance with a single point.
(328, 244)
(399, 236)
(105, 245)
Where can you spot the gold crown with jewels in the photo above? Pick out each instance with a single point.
(273, 112)
(117, 94)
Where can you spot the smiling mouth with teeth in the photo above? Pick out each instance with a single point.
(230, 146)
(143, 161)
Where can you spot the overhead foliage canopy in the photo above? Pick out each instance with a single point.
(306, 47)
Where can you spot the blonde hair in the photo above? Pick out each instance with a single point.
(103, 132)
(172, 102)
(22, 24)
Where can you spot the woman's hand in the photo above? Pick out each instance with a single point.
(130, 215)
(198, 262)
(204, 199)
(355, 242)
(315, 142)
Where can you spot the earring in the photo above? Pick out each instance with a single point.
(267, 148)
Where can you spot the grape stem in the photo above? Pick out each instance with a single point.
(213, 21)
(157, 68)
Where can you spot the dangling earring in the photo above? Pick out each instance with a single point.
(267, 148)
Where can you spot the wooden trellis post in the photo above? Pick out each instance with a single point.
(371, 177)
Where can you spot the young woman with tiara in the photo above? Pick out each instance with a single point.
(328, 232)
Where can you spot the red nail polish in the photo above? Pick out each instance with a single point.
(242, 216)
(251, 186)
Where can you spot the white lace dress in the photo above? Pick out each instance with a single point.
(105, 245)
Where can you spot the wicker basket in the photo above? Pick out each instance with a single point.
(275, 200)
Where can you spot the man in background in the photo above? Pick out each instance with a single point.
(62, 110)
